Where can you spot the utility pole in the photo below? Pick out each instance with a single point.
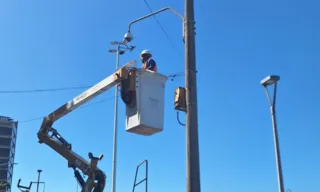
(38, 182)
(192, 141)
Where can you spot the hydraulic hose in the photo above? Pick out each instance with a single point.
(128, 96)
(101, 182)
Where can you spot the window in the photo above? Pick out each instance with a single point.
(6, 131)
(3, 175)
(4, 152)
(5, 142)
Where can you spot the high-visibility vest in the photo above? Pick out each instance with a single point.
(146, 63)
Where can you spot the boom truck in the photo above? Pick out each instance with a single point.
(125, 78)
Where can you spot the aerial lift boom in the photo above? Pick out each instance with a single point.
(96, 180)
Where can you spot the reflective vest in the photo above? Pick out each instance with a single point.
(150, 64)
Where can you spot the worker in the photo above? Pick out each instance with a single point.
(147, 60)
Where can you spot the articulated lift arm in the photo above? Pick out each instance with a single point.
(48, 135)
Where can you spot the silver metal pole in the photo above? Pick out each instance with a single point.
(115, 131)
(276, 141)
(39, 171)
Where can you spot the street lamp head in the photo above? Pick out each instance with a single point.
(270, 80)
(112, 50)
(128, 37)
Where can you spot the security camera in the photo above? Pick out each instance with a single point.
(128, 37)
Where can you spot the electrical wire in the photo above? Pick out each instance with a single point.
(162, 28)
(84, 106)
(178, 119)
(45, 90)
(171, 76)
(34, 119)
(174, 75)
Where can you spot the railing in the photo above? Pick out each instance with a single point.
(135, 184)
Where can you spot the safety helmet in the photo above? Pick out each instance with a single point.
(146, 51)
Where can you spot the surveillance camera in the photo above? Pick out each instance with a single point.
(128, 37)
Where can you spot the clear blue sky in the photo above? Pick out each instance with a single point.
(52, 44)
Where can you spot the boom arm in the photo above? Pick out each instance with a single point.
(50, 136)
(61, 146)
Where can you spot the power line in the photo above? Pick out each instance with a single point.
(162, 28)
(84, 106)
(29, 120)
(44, 90)
(171, 76)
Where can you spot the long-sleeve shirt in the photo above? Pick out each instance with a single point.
(151, 65)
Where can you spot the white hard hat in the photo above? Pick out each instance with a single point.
(146, 51)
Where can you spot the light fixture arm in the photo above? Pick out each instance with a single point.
(154, 13)
(122, 47)
(274, 96)
(273, 101)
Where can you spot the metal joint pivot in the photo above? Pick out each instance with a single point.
(55, 134)
(94, 160)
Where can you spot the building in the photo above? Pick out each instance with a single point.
(8, 136)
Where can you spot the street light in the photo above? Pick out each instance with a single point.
(122, 47)
(273, 80)
(38, 182)
(128, 37)
(192, 141)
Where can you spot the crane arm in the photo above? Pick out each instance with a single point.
(54, 140)
(50, 136)
(87, 95)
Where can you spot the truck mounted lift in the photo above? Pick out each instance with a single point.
(96, 181)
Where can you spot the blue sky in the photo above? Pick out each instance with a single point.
(52, 44)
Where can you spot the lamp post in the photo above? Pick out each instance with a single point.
(38, 182)
(28, 188)
(192, 142)
(273, 80)
(120, 50)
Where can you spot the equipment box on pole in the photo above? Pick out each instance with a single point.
(147, 117)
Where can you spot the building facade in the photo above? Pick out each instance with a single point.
(8, 136)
